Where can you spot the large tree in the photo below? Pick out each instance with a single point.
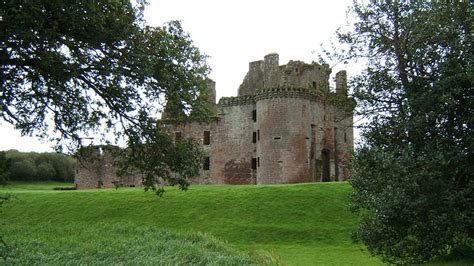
(413, 170)
(75, 69)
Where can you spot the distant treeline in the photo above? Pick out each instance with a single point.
(33, 166)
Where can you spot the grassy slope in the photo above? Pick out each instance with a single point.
(301, 224)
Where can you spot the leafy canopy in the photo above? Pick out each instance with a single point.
(75, 69)
(413, 171)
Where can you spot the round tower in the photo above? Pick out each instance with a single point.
(283, 131)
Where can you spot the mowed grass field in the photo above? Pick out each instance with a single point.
(303, 224)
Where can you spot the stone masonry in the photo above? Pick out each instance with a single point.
(285, 126)
(96, 168)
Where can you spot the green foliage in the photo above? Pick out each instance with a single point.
(153, 154)
(40, 166)
(5, 165)
(304, 224)
(93, 69)
(413, 172)
(23, 168)
(340, 101)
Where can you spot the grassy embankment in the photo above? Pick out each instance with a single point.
(303, 224)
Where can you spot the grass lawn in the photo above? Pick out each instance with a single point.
(304, 224)
(299, 224)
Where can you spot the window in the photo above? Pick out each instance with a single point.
(258, 161)
(254, 137)
(178, 136)
(206, 163)
(254, 115)
(207, 138)
(314, 84)
(258, 134)
(277, 138)
(345, 137)
(254, 163)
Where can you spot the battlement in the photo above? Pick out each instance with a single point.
(268, 74)
(238, 100)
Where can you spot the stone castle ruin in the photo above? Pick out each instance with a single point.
(95, 168)
(285, 126)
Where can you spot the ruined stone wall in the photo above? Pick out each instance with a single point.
(196, 131)
(318, 138)
(268, 74)
(96, 169)
(89, 172)
(283, 147)
(253, 79)
(345, 142)
(236, 148)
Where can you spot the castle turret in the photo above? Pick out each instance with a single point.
(211, 94)
(341, 82)
(271, 71)
(253, 79)
(283, 127)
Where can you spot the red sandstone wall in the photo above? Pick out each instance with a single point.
(235, 148)
(284, 145)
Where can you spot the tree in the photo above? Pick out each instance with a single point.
(82, 68)
(23, 167)
(413, 171)
(5, 164)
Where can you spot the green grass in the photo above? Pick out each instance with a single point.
(300, 224)
(33, 185)
(119, 243)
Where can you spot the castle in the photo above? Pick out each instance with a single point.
(285, 126)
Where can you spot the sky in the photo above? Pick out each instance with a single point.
(232, 34)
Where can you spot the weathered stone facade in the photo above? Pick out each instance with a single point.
(96, 168)
(285, 126)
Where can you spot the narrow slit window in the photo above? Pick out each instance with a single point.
(206, 163)
(314, 84)
(277, 138)
(258, 161)
(254, 163)
(254, 137)
(258, 134)
(254, 115)
(345, 137)
(207, 138)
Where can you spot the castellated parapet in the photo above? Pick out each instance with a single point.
(285, 126)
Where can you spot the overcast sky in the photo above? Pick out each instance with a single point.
(232, 34)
